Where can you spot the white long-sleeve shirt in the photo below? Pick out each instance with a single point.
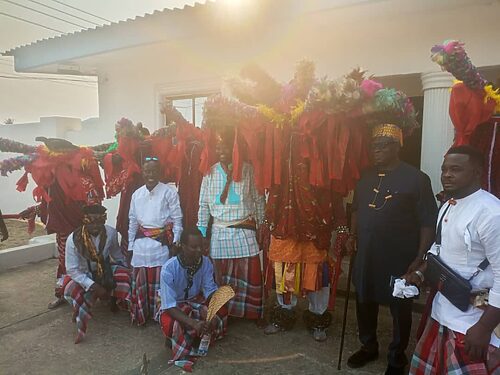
(77, 266)
(470, 233)
(153, 209)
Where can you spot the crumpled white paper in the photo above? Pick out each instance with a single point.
(402, 290)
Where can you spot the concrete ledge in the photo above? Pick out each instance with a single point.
(38, 249)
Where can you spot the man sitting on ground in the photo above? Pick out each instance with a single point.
(95, 268)
(186, 286)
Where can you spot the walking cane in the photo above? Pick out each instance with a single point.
(346, 304)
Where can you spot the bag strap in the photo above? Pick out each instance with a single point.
(481, 267)
(440, 225)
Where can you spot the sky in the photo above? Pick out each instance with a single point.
(27, 97)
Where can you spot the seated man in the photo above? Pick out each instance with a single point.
(186, 286)
(95, 268)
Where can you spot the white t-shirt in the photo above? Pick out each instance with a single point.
(470, 233)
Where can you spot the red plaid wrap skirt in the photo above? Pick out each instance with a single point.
(183, 338)
(441, 351)
(244, 275)
(145, 299)
(83, 301)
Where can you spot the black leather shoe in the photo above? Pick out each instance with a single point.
(361, 358)
(391, 370)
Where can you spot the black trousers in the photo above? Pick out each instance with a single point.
(367, 316)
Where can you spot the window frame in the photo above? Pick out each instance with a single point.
(184, 90)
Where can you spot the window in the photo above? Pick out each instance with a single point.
(191, 107)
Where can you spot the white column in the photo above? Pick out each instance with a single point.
(437, 128)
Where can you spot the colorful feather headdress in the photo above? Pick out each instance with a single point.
(453, 58)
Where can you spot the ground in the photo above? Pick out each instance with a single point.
(18, 233)
(35, 340)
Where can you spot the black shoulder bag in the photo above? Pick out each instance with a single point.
(440, 276)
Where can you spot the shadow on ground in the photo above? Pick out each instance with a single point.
(35, 340)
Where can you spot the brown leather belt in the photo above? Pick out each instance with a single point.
(249, 224)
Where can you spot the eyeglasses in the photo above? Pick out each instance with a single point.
(151, 158)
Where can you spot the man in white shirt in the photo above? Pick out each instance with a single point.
(96, 268)
(155, 220)
(456, 341)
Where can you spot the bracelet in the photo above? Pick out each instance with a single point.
(420, 275)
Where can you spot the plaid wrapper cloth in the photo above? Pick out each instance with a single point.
(183, 338)
(61, 266)
(124, 250)
(244, 275)
(441, 351)
(229, 243)
(145, 299)
(82, 301)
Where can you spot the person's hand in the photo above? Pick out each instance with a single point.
(477, 340)
(99, 291)
(415, 265)
(25, 214)
(412, 278)
(5, 236)
(201, 327)
(351, 245)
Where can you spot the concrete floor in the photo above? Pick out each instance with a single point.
(34, 340)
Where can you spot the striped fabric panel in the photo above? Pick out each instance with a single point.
(145, 300)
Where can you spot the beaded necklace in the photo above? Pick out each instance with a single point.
(376, 190)
(191, 270)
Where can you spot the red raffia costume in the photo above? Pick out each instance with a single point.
(65, 182)
(307, 142)
(122, 171)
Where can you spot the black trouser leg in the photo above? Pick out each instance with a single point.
(401, 321)
(367, 315)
